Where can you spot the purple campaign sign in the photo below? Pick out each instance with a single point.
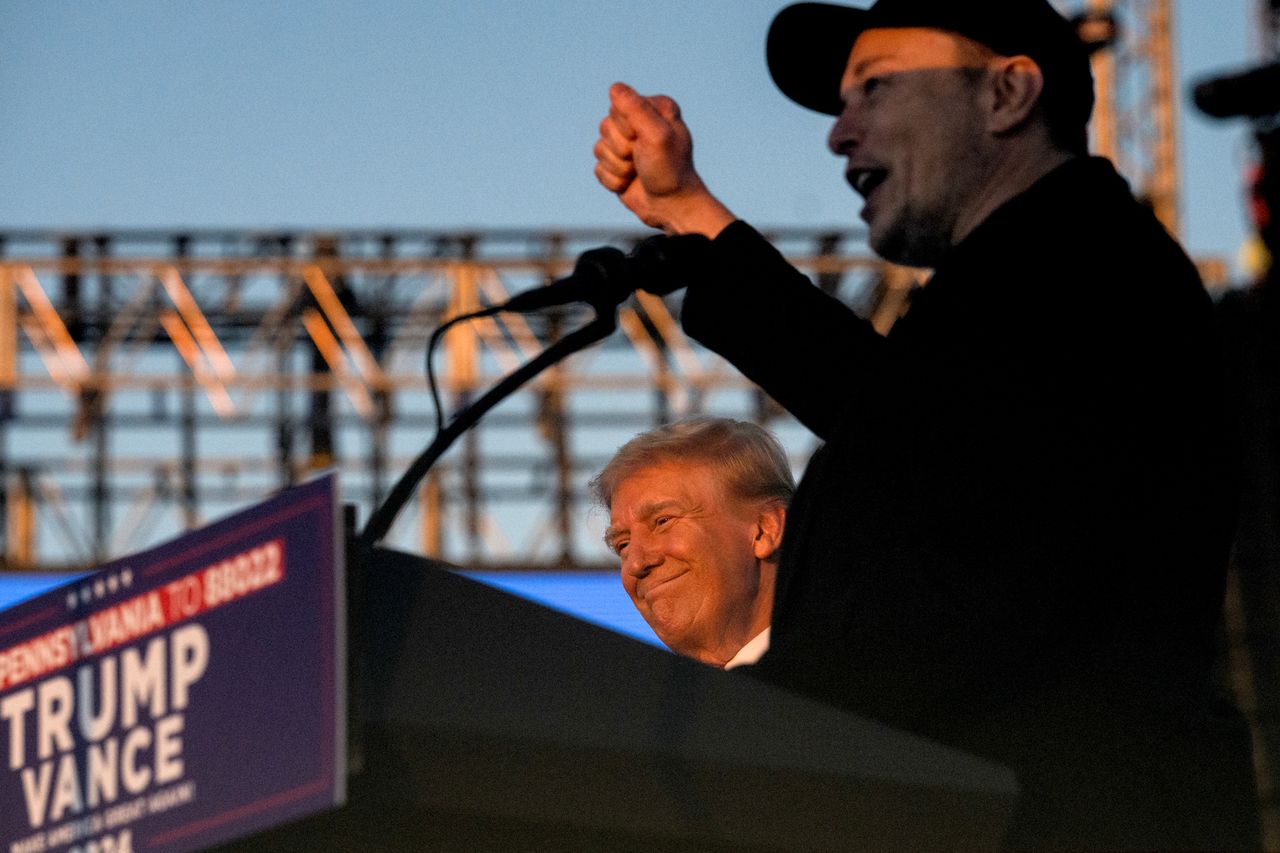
(184, 696)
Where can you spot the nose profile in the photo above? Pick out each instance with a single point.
(639, 559)
(843, 137)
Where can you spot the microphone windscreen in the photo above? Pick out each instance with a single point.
(666, 263)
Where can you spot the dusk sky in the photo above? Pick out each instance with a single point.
(444, 114)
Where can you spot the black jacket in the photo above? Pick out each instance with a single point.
(1015, 537)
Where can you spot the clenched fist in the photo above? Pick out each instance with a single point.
(645, 156)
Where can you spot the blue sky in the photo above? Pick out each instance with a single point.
(471, 113)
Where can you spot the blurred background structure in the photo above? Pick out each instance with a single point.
(154, 379)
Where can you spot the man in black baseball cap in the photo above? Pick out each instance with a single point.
(1015, 535)
(1022, 46)
(809, 44)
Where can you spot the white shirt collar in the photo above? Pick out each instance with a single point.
(752, 651)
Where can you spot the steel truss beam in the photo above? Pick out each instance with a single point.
(152, 381)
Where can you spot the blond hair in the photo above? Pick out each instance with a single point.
(748, 458)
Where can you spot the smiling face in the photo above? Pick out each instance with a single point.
(913, 134)
(694, 558)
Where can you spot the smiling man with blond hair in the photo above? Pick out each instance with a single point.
(696, 514)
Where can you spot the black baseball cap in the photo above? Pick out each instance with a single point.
(809, 43)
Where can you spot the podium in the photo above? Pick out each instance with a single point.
(480, 721)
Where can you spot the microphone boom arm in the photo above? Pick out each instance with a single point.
(603, 278)
(383, 517)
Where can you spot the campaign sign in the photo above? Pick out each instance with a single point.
(184, 696)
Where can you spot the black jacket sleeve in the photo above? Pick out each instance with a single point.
(774, 325)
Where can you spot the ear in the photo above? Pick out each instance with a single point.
(1016, 83)
(769, 524)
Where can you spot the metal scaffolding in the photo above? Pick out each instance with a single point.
(1136, 118)
(152, 381)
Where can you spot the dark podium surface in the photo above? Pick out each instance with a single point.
(481, 721)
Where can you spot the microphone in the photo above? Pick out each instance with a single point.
(603, 278)
(1254, 93)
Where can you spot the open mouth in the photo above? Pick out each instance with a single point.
(865, 181)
